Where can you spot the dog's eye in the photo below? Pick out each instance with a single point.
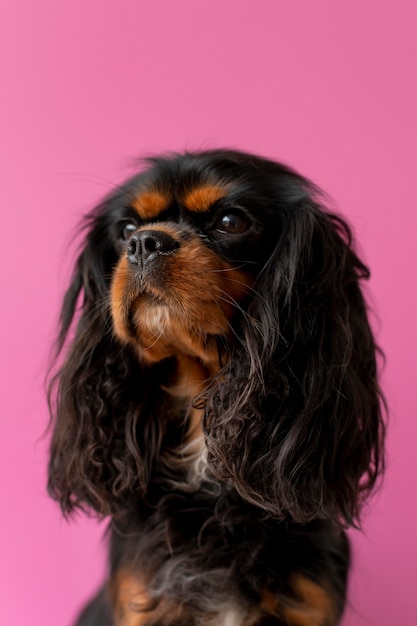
(127, 229)
(234, 223)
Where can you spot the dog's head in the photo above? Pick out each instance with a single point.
(228, 262)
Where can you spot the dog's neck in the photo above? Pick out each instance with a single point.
(192, 377)
(189, 460)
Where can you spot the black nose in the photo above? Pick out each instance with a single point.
(147, 245)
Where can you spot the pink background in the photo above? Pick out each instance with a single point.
(87, 85)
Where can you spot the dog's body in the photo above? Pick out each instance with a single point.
(219, 399)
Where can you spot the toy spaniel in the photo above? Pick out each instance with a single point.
(217, 396)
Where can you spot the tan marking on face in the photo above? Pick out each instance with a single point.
(314, 608)
(120, 298)
(150, 204)
(202, 198)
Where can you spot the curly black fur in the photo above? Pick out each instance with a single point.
(292, 421)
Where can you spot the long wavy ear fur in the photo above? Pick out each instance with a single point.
(98, 398)
(295, 422)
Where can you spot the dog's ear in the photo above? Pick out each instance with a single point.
(98, 399)
(295, 421)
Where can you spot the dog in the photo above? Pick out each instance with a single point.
(217, 396)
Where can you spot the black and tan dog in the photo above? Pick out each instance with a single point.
(219, 398)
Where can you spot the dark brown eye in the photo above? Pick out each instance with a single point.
(127, 230)
(233, 223)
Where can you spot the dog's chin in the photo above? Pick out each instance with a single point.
(159, 326)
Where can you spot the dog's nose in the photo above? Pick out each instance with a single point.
(147, 245)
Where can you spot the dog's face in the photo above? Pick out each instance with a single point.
(191, 243)
(182, 272)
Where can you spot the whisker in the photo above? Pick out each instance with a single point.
(227, 269)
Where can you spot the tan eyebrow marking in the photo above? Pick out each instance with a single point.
(202, 198)
(150, 204)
